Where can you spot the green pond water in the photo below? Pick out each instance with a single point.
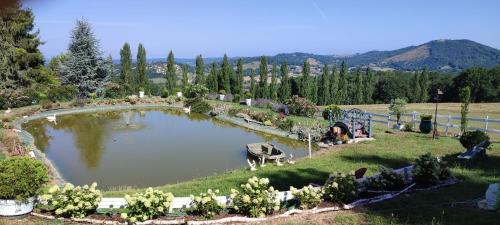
(146, 148)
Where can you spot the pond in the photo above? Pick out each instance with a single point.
(145, 148)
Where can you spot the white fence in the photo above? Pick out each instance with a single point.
(412, 118)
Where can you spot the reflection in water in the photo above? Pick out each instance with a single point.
(146, 148)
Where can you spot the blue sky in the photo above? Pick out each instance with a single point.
(265, 27)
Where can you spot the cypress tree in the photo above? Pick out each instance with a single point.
(424, 86)
(225, 75)
(263, 92)
(171, 75)
(464, 107)
(185, 79)
(285, 91)
(212, 79)
(142, 76)
(239, 77)
(314, 84)
(343, 85)
(369, 86)
(305, 87)
(334, 85)
(417, 92)
(273, 89)
(253, 88)
(126, 65)
(358, 94)
(85, 68)
(324, 87)
(200, 69)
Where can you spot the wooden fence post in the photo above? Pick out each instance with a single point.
(447, 125)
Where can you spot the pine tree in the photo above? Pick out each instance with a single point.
(185, 79)
(424, 86)
(263, 92)
(314, 84)
(253, 87)
(239, 77)
(273, 88)
(368, 86)
(126, 65)
(359, 93)
(464, 107)
(285, 91)
(21, 62)
(334, 85)
(200, 69)
(225, 75)
(324, 87)
(171, 76)
(142, 68)
(417, 92)
(85, 68)
(212, 83)
(342, 93)
(305, 87)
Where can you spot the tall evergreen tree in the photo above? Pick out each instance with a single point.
(85, 68)
(417, 92)
(185, 79)
(368, 86)
(253, 86)
(239, 77)
(334, 85)
(200, 70)
(126, 65)
(285, 90)
(111, 69)
(262, 91)
(142, 67)
(21, 62)
(314, 84)
(273, 88)
(225, 75)
(342, 93)
(358, 88)
(171, 76)
(424, 86)
(212, 83)
(324, 87)
(305, 83)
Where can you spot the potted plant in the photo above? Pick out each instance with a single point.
(248, 98)
(21, 179)
(397, 107)
(425, 123)
(178, 92)
(222, 94)
(141, 92)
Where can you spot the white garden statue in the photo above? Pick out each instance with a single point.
(252, 165)
(289, 160)
(262, 162)
(278, 163)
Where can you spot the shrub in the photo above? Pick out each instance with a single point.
(228, 98)
(206, 204)
(429, 170)
(263, 103)
(408, 127)
(46, 104)
(17, 98)
(8, 138)
(308, 197)
(71, 201)
(341, 188)
(21, 177)
(237, 98)
(426, 117)
(165, 93)
(335, 112)
(470, 139)
(285, 124)
(147, 205)
(256, 199)
(387, 180)
(268, 123)
(198, 105)
(248, 95)
(301, 107)
(63, 93)
(195, 91)
(113, 90)
(222, 92)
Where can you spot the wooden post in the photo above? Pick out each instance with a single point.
(309, 147)
(486, 123)
(447, 125)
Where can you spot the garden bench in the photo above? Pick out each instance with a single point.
(479, 150)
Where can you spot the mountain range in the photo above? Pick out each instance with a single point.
(443, 55)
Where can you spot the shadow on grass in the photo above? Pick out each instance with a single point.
(378, 160)
(283, 179)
